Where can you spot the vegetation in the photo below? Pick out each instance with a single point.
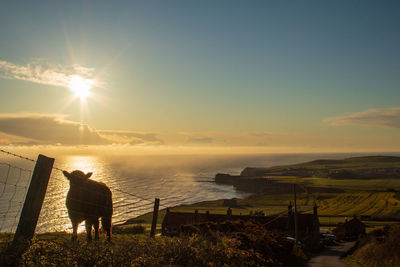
(383, 166)
(380, 248)
(214, 249)
(376, 200)
(377, 208)
(351, 184)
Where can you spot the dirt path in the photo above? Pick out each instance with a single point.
(330, 257)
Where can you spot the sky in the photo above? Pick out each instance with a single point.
(254, 76)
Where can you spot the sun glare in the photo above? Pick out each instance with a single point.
(80, 86)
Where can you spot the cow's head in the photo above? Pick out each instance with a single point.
(77, 177)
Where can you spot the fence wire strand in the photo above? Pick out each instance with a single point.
(12, 207)
(16, 155)
(150, 201)
(172, 201)
(6, 180)
(124, 204)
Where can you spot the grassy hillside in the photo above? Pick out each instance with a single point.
(376, 200)
(379, 204)
(349, 163)
(216, 249)
(375, 207)
(370, 167)
(348, 184)
(380, 248)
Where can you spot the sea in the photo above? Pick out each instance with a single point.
(135, 181)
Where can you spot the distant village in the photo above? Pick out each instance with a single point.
(304, 226)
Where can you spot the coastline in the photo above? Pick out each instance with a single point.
(270, 190)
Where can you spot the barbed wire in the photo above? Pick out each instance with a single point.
(134, 195)
(169, 201)
(59, 169)
(145, 207)
(14, 207)
(173, 202)
(16, 155)
(132, 204)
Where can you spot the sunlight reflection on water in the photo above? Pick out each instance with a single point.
(174, 179)
(172, 186)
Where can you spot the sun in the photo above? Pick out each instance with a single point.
(80, 86)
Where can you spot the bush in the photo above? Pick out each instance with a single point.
(216, 249)
(381, 247)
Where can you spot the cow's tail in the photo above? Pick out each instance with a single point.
(106, 218)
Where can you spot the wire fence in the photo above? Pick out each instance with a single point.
(14, 182)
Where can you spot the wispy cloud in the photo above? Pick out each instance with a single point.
(55, 129)
(199, 140)
(131, 137)
(389, 117)
(235, 139)
(42, 72)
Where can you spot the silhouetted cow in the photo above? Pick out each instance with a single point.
(88, 200)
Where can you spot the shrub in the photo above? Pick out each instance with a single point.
(216, 249)
(381, 247)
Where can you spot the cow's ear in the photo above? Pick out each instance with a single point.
(88, 175)
(66, 174)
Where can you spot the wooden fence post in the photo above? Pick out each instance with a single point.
(155, 215)
(33, 200)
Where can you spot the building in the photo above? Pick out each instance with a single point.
(350, 230)
(308, 224)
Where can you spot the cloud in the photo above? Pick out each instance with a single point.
(389, 117)
(200, 140)
(55, 129)
(131, 137)
(42, 72)
(49, 129)
(261, 138)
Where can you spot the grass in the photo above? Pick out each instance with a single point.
(217, 249)
(377, 198)
(353, 261)
(352, 184)
(379, 248)
(353, 163)
(382, 207)
(360, 197)
(375, 204)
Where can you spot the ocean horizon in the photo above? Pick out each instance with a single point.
(136, 181)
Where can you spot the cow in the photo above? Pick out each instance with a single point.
(88, 200)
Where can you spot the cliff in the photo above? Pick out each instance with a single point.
(370, 167)
(272, 179)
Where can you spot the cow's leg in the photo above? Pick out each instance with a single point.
(74, 229)
(88, 225)
(96, 229)
(106, 223)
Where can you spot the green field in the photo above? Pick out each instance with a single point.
(375, 204)
(377, 208)
(382, 207)
(350, 184)
(354, 163)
